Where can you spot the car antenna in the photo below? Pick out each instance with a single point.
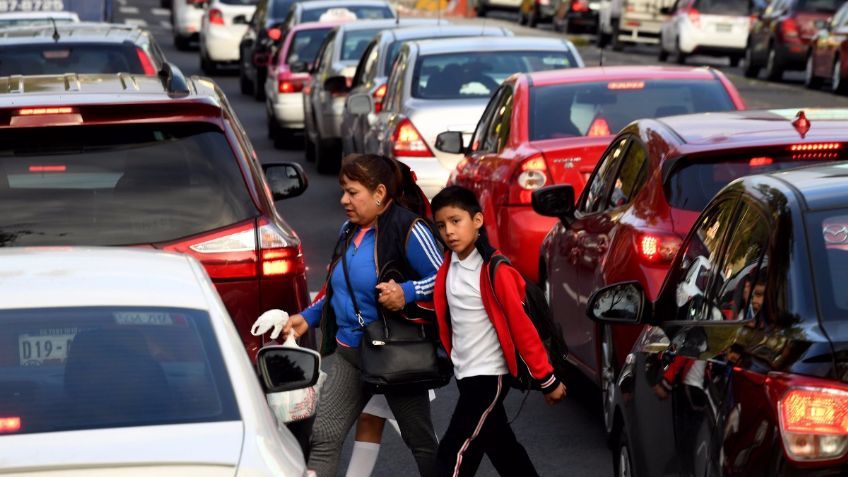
(397, 14)
(55, 30)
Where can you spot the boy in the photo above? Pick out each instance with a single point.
(485, 331)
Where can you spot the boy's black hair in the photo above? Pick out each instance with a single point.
(456, 196)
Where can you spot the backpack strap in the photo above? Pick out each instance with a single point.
(496, 260)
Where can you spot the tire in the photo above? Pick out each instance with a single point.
(180, 42)
(208, 66)
(622, 457)
(774, 66)
(734, 61)
(837, 84)
(617, 44)
(245, 83)
(679, 56)
(752, 69)
(308, 147)
(328, 156)
(258, 87)
(607, 370)
(810, 79)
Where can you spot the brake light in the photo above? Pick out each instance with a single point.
(10, 424)
(789, 29)
(47, 168)
(760, 161)
(146, 64)
(378, 96)
(274, 34)
(407, 141)
(626, 85)
(532, 174)
(42, 111)
(46, 116)
(828, 146)
(578, 6)
(286, 86)
(694, 17)
(216, 17)
(656, 248)
(599, 127)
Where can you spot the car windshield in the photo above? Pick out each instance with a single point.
(819, 6)
(465, 75)
(828, 237)
(117, 185)
(346, 11)
(65, 369)
(693, 183)
(721, 7)
(46, 59)
(355, 42)
(604, 108)
(18, 22)
(305, 45)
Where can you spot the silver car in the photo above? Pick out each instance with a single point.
(337, 10)
(332, 73)
(373, 71)
(125, 362)
(444, 85)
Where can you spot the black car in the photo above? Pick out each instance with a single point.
(257, 44)
(743, 367)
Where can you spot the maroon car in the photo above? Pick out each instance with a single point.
(150, 161)
(827, 50)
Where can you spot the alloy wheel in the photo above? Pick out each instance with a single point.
(607, 379)
(836, 77)
(624, 462)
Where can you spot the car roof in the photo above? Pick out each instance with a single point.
(38, 15)
(70, 33)
(820, 187)
(317, 25)
(422, 32)
(317, 4)
(388, 22)
(618, 73)
(489, 43)
(32, 277)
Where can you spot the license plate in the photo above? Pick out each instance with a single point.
(31, 5)
(723, 27)
(44, 347)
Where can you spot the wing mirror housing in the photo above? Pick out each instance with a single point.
(359, 104)
(285, 179)
(623, 303)
(450, 142)
(285, 369)
(554, 201)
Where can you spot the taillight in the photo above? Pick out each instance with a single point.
(378, 96)
(407, 141)
(290, 85)
(657, 248)
(599, 127)
(694, 17)
(532, 174)
(789, 29)
(216, 17)
(146, 64)
(825, 146)
(10, 424)
(578, 6)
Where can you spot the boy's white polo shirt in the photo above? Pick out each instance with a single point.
(476, 349)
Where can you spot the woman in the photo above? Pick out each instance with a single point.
(378, 230)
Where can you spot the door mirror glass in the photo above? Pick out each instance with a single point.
(336, 85)
(450, 141)
(359, 104)
(622, 303)
(286, 369)
(286, 179)
(554, 201)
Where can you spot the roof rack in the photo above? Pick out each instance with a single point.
(173, 80)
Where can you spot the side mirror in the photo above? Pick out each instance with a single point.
(336, 85)
(240, 20)
(285, 179)
(299, 67)
(554, 201)
(359, 104)
(286, 369)
(622, 303)
(450, 142)
(275, 33)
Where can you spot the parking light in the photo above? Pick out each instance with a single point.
(146, 64)
(760, 161)
(55, 168)
(42, 111)
(10, 424)
(290, 86)
(216, 16)
(407, 141)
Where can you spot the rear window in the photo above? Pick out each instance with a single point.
(355, 42)
(90, 368)
(722, 7)
(360, 12)
(828, 236)
(466, 75)
(692, 184)
(17, 22)
(305, 45)
(602, 108)
(117, 185)
(819, 6)
(59, 59)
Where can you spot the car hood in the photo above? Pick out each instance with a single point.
(431, 117)
(209, 449)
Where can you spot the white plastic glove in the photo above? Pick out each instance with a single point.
(270, 319)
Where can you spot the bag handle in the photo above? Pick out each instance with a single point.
(350, 290)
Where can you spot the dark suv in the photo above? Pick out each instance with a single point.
(150, 161)
(258, 43)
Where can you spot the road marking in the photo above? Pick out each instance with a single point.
(161, 12)
(129, 10)
(135, 22)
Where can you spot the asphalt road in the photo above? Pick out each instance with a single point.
(562, 440)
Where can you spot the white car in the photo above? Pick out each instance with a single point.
(705, 27)
(124, 362)
(16, 19)
(221, 29)
(185, 21)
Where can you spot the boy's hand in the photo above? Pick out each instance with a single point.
(391, 296)
(296, 323)
(556, 395)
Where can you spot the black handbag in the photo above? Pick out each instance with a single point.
(400, 352)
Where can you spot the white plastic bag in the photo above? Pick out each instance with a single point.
(288, 406)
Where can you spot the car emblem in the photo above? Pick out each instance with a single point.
(568, 161)
(835, 233)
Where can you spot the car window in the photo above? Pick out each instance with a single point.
(394, 90)
(94, 58)
(325, 53)
(118, 184)
(365, 68)
(485, 120)
(354, 43)
(828, 246)
(631, 175)
(818, 6)
(841, 17)
(497, 131)
(278, 10)
(64, 369)
(348, 11)
(305, 45)
(594, 198)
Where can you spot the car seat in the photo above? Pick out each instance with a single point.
(445, 83)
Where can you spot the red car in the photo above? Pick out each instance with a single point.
(827, 48)
(643, 197)
(551, 128)
(150, 161)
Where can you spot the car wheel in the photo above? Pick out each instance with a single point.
(662, 55)
(607, 378)
(810, 79)
(180, 42)
(308, 146)
(258, 90)
(836, 84)
(679, 56)
(617, 44)
(245, 83)
(622, 460)
(751, 70)
(734, 61)
(208, 66)
(165, 3)
(774, 66)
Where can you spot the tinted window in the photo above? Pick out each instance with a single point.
(478, 75)
(595, 109)
(117, 185)
(355, 42)
(630, 177)
(305, 45)
(89, 368)
(17, 22)
(596, 191)
(819, 6)
(361, 13)
(59, 59)
(392, 53)
(828, 235)
(279, 10)
(721, 7)
(498, 126)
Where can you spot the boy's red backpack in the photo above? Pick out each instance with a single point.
(536, 307)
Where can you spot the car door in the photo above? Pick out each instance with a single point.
(316, 85)
(392, 105)
(248, 41)
(322, 99)
(467, 169)
(362, 83)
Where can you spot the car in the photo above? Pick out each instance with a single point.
(78, 48)
(329, 85)
(752, 384)
(551, 127)
(780, 36)
(577, 15)
(86, 10)
(336, 10)
(130, 363)
(631, 21)
(705, 27)
(17, 19)
(483, 7)
(827, 48)
(223, 25)
(289, 76)
(533, 12)
(155, 162)
(444, 84)
(374, 67)
(644, 196)
(185, 21)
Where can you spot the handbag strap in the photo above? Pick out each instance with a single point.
(350, 289)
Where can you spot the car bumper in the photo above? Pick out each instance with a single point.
(521, 234)
(288, 110)
(187, 22)
(222, 43)
(711, 43)
(432, 176)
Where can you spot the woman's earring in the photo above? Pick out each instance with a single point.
(378, 202)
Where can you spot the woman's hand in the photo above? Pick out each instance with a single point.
(296, 323)
(391, 296)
